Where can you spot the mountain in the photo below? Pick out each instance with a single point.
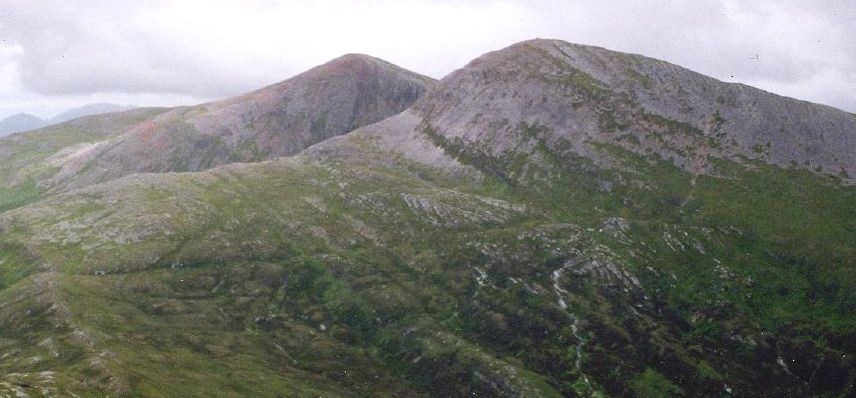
(20, 122)
(25, 122)
(282, 119)
(88, 110)
(575, 96)
(332, 99)
(546, 221)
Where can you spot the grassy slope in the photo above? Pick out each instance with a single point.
(24, 154)
(369, 276)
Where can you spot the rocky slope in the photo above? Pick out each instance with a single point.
(573, 96)
(494, 239)
(332, 99)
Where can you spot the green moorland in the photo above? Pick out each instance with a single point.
(370, 275)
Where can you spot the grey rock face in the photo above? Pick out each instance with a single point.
(572, 95)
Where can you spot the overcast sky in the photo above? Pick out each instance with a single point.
(60, 54)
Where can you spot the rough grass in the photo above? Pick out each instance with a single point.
(304, 277)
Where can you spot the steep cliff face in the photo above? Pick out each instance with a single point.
(332, 99)
(574, 96)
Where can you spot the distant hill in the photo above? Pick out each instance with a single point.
(20, 122)
(88, 110)
(26, 122)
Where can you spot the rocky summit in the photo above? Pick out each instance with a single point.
(582, 96)
(550, 220)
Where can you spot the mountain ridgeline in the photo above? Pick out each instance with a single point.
(580, 95)
(550, 220)
(25, 122)
(332, 99)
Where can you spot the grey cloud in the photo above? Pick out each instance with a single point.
(99, 47)
(805, 48)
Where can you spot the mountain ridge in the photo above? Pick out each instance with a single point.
(483, 241)
(88, 110)
(618, 103)
(10, 125)
(276, 120)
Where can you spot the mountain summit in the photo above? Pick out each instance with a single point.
(582, 95)
(282, 119)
